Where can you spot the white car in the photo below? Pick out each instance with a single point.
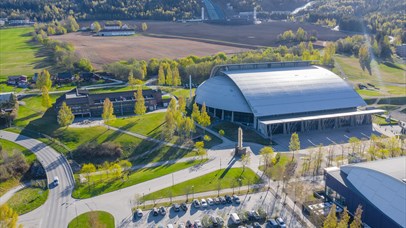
(139, 212)
(204, 203)
(210, 201)
(234, 217)
(56, 181)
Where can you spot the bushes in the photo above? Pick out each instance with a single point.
(12, 166)
(109, 150)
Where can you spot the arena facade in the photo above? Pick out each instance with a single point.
(282, 98)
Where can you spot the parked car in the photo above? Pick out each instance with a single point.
(56, 181)
(271, 223)
(169, 226)
(210, 201)
(254, 215)
(162, 210)
(155, 211)
(183, 206)
(234, 217)
(220, 221)
(181, 225)
(217, 200)
(257, 225)
(222, 200)
(228, 199)
(138, 213)
(176, 207)
(189, 224)
(214, 221)
(198, 224)
(236, 199)
(196, 203)
(203, 203)
(280, 222)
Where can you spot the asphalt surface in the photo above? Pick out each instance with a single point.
(54, 212)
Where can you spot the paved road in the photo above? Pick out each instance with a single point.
(53, 212)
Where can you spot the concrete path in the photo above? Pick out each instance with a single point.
(6, 196)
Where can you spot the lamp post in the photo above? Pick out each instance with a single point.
(193, 191)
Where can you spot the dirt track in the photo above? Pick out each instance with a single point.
(101, 50)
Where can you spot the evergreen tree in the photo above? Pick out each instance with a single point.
(169, 79)
(46, 100)
(108, 111)
(331, 220)
(161, 75)
(140, 108)
(65, 116)
(44, 80)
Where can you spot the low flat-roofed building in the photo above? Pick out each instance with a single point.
(117, 32)
(378, 186)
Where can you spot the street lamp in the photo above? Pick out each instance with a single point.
(193, 191)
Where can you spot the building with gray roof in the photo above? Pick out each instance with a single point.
(282, 98)
(378, 186)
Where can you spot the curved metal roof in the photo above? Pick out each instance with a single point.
(222, 93)
(278, 91)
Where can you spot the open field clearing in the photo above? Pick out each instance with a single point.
(102, 50)
(17, 54)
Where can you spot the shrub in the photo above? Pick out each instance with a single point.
(108, 150)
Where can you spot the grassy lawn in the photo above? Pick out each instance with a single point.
(28, 199)
(381, 73)
(178, 92)
(93, 219)
(117, 89)
(165, 153)
(17, 53)
(381, 121)
(231, 132)
(276, 172)
(151, 125)
(223, 178)
(368, 93)
(100, 184)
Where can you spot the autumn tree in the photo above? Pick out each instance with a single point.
(221, 132)
(176, 77)
(365, 58)
(65, 115)
(196, 113)
(88, 169)
(8, 217)
(144, 26)
(345, 219)
(267, 155)
(161, 75)
(169, 126)
(46, 100)
(168, 76)
(200, 151)
(189, 126)
(357, 222)
(294, 144)
(131, 79)
(44, 80)
(331, 220)
(204, 119)
(140, 108)
(116, 170)
(182, 105)
(108, 111)
(96, 27)
(245, 160)
(329, 52)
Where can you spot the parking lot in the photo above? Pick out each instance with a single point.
(264, 201)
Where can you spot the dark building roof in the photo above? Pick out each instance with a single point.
(117, 30)
(64, 75)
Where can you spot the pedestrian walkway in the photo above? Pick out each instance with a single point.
(6, 196)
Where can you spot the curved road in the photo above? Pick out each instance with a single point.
(54, 212)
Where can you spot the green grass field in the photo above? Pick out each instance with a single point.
(222, 178)
(28, 199)
(100, 184)
(93, 219)
(276, 172)
(17, 53)
(231, 132)
(382, 76)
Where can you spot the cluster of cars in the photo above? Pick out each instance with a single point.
(227, 199)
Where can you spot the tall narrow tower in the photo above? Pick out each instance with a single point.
(202, 13)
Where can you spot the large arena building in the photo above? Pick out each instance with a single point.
(282, 98)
